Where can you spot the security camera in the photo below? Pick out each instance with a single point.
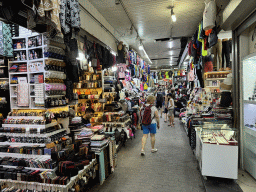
(117, 2)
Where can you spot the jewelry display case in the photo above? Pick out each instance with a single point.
(217, 149)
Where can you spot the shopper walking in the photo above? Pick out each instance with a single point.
(150, 121)
(166, 102)
(159, 101)
(171, 110)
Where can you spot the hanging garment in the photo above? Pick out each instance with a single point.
(208, 66)
(141, 87)
(69, 15)
(226, 53)
(145, 86)
(202, 32)
(1, 39)
(191, 76)
(6, 40)
(121, 71)
(23, 95)
(213, 37)
(189, 47)
(170, 74)
(199, 32)
(204, 52)
(209, 15)
(217, 52)
(167, 75)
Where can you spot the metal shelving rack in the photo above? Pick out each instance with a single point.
(29, 73)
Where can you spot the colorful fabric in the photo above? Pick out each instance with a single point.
(6, 48)
(1, 39)
(23, 95)
(204, 52)
(69, 15)
(199, 32)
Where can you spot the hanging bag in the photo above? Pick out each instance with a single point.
(94, 59)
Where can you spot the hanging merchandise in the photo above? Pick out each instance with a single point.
(190, 48)
(202, 32)
(209, 15)
(23, 95)
(199, 32)
(141, 87)
(167, 75)
(121, 53)
(204, 49)
(121, 71)
(191, 75)
(69, 15)
(145, 86)
(208, 66)
(6, 48)
(213, 37)
(170, 74)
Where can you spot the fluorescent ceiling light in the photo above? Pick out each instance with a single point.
(173, 15)
(174, 18)
(114, 68)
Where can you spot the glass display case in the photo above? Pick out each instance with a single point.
(219, 134)
(249, 113)
(217, 149)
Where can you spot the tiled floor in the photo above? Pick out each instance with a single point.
(172, 168)
(246, 181)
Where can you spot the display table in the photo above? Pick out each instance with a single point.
(217, 160)
(49, 187)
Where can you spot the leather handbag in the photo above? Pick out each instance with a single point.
(94, 59)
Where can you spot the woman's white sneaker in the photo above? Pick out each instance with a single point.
(153, 150)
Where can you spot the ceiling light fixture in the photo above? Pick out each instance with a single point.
(131, 30)
(140, 46)
(117, 2)
(173, 15)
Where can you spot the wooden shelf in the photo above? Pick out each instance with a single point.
(250, 102)
(212, 79)
(34, 60)
(89, 88)
(22, 61)
(39, 47)
(18, 73)
(22, 49)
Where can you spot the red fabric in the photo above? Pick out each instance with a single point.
(135, 119)
(205, 43)
(208, 66)
(208, 32)
(189, 47)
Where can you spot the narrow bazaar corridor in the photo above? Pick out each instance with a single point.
(172, 168)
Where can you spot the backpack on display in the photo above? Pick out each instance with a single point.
(146, 116)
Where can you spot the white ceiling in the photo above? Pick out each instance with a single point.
(152, 20)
